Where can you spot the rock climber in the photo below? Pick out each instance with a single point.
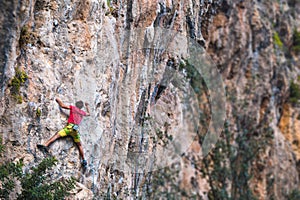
(72, 127)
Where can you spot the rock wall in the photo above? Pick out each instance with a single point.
(95, 51)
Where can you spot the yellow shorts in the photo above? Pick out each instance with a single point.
(69, 131)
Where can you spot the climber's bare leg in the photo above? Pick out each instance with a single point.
(52, 139)
(80, 149)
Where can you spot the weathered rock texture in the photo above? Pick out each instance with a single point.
(76, 50)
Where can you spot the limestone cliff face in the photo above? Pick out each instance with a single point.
(95, 51)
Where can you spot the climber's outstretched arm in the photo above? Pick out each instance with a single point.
(61, 104)
(87, 109)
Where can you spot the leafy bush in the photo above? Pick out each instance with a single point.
(36, 184)
(38, 112)
(294, 195)
(294, 93)
(165, 185)
(7, 173)
(277, 40)
(296, 41)
(229, 167)
(39, 5)
(26, 37)
(16, 83)
(112, 11)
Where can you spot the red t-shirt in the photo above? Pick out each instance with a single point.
(76, 115)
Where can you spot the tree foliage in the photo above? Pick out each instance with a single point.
(294, 93)
(229, 167)
(294, 195)
(8, 173)
(296, 41)
(35, 184)
(17, 81)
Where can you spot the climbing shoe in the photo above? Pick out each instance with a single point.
(43, 148)
(84, 163)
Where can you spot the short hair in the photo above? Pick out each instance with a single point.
(79, 104)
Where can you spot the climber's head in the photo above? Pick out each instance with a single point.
(79, 104)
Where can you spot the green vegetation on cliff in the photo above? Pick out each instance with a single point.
(277, 40)
(294, 93)
(36, 183)
(230, 166)
(296, 41)
(17, 81)
(26, 37)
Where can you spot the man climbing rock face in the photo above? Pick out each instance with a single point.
(72, 128)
